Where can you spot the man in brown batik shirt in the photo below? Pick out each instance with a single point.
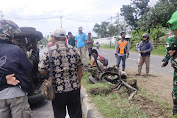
(67, 72)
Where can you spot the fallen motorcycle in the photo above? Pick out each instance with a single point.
(112, 75)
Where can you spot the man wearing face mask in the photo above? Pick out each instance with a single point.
(145, 47)
(122, 50)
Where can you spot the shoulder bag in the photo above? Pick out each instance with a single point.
(48, 90)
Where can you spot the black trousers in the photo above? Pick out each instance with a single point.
(71, 100)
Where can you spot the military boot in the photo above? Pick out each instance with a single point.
(174, 107)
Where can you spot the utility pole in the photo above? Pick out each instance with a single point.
(1, 14)
(110, 32)
(111, 19)
(61, 20)
(118, 23)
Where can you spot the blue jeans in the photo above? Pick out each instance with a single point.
(123, 58)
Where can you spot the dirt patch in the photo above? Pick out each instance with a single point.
(156, 84)
(151, 108)
(100, 91)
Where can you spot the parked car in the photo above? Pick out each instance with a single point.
(28, 40)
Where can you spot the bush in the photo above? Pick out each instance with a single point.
(155, 34)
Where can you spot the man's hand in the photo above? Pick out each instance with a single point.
(127, 55)
(162, 64)
(93, 65)
(12, 80)
(143, 51)
(115, 56)
(85, 49)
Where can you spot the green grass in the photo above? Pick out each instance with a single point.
(159, 50)
(111, 105)
(89, 61)
(155, 99)
(107, 46)
(114, 106)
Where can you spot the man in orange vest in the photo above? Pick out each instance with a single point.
(122, 50)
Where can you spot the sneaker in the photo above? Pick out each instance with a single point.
(146, 75)
(138, 74)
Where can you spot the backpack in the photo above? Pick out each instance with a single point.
(105, 61)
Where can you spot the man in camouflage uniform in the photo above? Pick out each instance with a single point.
(171, 46)
(67, 73)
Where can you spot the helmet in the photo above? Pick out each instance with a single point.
(145, 35)
(173, 21)
(7, 29)
(171, 43)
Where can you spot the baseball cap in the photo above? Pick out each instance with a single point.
(173, 21)
(80, 28)
(59, 33)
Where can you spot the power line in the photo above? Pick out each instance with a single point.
(66, 17)
(79, 20)
(61, 20)
(45, 18)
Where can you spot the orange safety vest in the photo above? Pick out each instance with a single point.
(66, 40)
(122, 47)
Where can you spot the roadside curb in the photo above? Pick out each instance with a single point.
(88, 108)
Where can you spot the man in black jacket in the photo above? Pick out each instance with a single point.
(14, 70)
(145, 48)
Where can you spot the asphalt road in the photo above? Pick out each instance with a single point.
(44, 110)
(132, 63)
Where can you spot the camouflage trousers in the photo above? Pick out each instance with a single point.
(174, 92)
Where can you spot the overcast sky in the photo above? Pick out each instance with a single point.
(45, 15)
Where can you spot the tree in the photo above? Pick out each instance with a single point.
(97, 29)
(159, 14)
(101, 30)
(106, 29)
(132, 13)
(141, 7)
(122, 27)
(112, 30)
(128, 13)
(43, 41)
